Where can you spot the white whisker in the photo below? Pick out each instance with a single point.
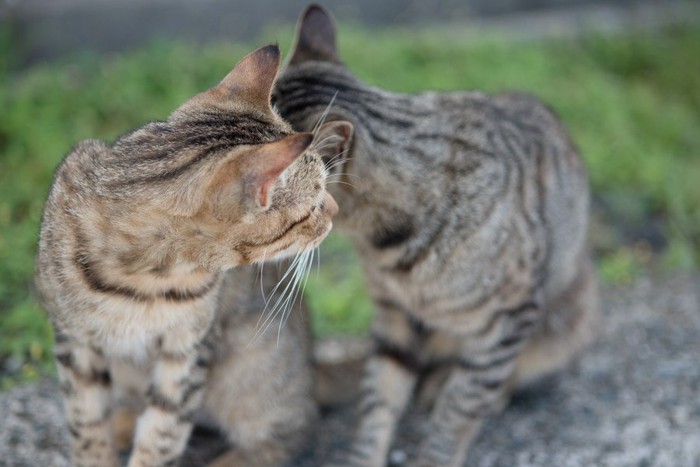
(282, 302)
(272, 293)
(323, 116)
(262, 267)
(325, 141)
(342, 183)
(342, 174)
(331, 165)
(289, 305)
(318, 263)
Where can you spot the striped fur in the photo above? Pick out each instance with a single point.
(142, 267)
(469, 212)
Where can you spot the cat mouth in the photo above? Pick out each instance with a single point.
(316, 242)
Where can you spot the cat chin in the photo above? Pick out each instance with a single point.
(292, 251)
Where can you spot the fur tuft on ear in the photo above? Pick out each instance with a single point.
(252, 78)
(315, 37)
(334, 142)
(264, 166)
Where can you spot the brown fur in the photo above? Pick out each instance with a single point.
(469, 213)
(135, 266)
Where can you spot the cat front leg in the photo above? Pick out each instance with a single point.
(476, 388)
(390, 377)
(85, 382)
(175, 393)
(386, 389)
(457, 417)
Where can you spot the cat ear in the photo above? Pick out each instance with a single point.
(334, 142)
(263, 166)
(252, 78)
(315, 38)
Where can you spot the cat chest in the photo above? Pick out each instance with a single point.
(127, 329)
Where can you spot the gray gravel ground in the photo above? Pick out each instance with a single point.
(634, 400)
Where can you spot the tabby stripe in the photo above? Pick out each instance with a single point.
(393, 235)
(504, 313)
(73, 431)
(369, 406)
(160, 400)
(517, 151)
(420, 328)
(98, 377)
(402, 357)
(354, 100)
(170, 143)
(513, 340)
(541, 270)
(540, 255)
(202, 362)
(501, 116)
(469, 411)
(430, 235)
(65, 359)
(489, 384)
(388, 304)
(97, 284)
(306, 107)
(277, 237)
(303, 86)
(191, 390)
(472, 365)
(178, 171)
(60, 337)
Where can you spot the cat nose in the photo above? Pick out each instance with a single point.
(330, 206)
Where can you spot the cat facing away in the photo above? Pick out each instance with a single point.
(469, 213)
(144, 268)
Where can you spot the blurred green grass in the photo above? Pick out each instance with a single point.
(632, 103)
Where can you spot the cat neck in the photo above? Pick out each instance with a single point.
(409, 152)
(380, 118)
(139, 256)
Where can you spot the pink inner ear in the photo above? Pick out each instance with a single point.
(273, 159)
(264, 190)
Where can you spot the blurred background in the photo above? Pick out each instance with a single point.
(624, 75)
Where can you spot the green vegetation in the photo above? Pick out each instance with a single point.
(632, 104)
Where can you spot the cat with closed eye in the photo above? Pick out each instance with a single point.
(469, 212)
(147, 267)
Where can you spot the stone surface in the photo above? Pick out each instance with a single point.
(634, 400)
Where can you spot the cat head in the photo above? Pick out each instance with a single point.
(307, 96)
(230, 176)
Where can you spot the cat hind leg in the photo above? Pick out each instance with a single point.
(571, 322)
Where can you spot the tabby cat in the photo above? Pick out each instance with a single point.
(469, 213)
(136, 241)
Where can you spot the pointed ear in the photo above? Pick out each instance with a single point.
(264, 165)
(315, 38)
(252, 78)
(334, 142)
